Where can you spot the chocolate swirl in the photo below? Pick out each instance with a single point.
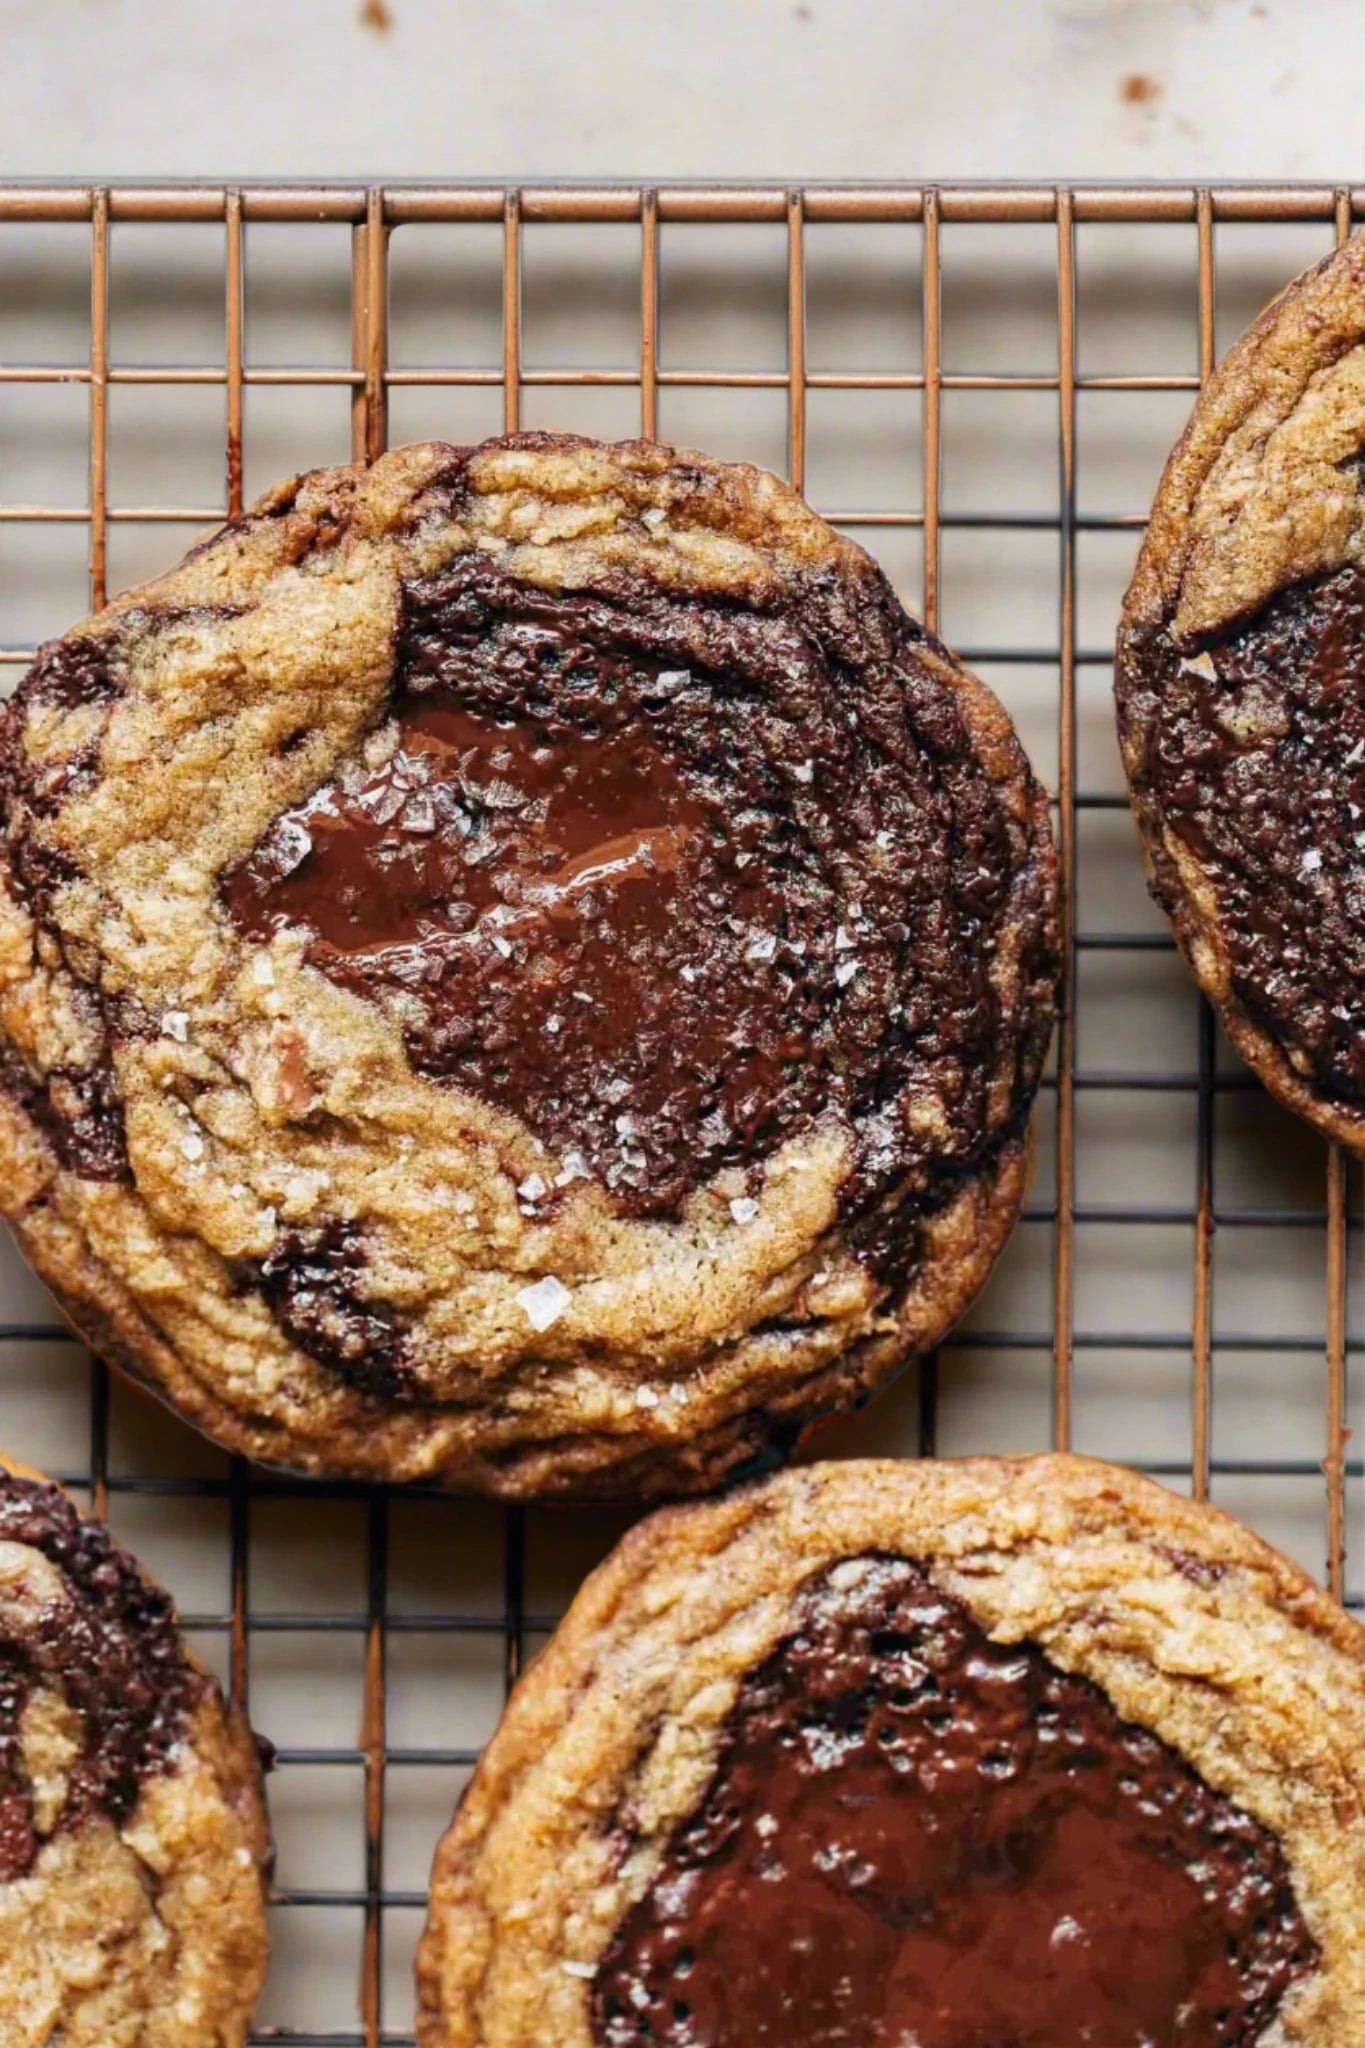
(109, 1647)
(672, 880)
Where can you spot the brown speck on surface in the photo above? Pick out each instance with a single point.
(376, 15)
(1138, 90)
(802, 13)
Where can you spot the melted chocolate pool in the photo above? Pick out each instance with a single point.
(669, 881)
(111, 1648)
(918, 1838)
(1253, 753)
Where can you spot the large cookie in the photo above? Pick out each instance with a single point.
(522, 966)
(133, 1842)
(868, 1755)
(1241, 706)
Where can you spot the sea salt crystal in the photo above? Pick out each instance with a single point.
(845, 971)
(575, 1168)
(744, 1208)
(263, 971)
(646, 1397)
(503, 945)
(625, 1126)
(587, 1971)
(419, 814)
(176, 1024)
(544, 1303)
(1201, 665)
(654, 517)
(689, 974)
(532, 1188)
(804, 771)
(1312, 861)
(842, 941)
(762, 946)
(552, 1025)
(192, 1146)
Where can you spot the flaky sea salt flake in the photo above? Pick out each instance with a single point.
(544, 1303)
(176, 1024)
(744, 1208)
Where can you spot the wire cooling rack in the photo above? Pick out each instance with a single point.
(979, 383)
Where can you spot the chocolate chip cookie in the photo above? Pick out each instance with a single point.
(1241, 711)
(133, 1842)
(522, 967)
(1026, 1751)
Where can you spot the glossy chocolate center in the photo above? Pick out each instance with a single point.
(917, 1836)
(1254, 756)
(110, 1648)
(664, 881)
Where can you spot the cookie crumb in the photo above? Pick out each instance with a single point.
(1138, 90)
(375, 15)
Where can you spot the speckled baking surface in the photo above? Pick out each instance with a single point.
(986, 405)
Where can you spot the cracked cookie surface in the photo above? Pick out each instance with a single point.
(874, 1752)
(522, 967)
(1241, 708)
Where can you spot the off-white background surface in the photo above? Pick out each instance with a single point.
(753, 88)
(525, 89)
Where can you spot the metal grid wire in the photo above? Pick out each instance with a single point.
(497, 1614)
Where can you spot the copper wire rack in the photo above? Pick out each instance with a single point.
(1189, 1313)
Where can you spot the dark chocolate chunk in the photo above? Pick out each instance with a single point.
(1253, 754)
(314, 1282)
(915, 1834)
(111, 1648)
(78, 1109)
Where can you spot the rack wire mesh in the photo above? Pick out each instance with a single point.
(1184, 1239)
